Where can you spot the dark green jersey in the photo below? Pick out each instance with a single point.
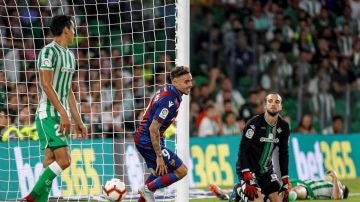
(61, 61)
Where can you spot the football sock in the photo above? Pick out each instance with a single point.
(44, 195)
(162, 181)
(45, 180)
(150, 178)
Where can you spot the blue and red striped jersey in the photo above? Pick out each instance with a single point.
(163, 107)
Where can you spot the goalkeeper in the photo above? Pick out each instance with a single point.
(254, 167)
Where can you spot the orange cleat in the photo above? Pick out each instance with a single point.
(218, 192)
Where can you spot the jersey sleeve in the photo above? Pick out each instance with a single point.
(284, 150)
(165, 109)
(242, 164)
(47, 59)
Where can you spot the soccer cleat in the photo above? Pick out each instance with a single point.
(28, 198)
(218, 192)
(147, 194)
(141, 199)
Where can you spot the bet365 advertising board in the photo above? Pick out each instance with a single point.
(212, 160)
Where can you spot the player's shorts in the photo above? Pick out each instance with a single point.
(48, 131)
(269, 183)
(171, 160)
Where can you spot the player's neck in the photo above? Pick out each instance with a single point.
(61, 41)
(271, 120)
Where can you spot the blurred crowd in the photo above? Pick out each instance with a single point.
(122, 58)
(307, 50)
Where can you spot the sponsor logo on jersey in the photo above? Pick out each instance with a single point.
(171, 103)
(279, 130)
(164, 112)
(67, 69)
(46, 62)
(249, 133)
(269, 139)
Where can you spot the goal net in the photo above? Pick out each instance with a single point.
(124, 50)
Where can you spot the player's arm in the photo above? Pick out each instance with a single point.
(155, 136)
(284, 161)
(161, 168)
(46, 79)
(337, 191)
(284, 151)
(80, 129)
(242, 164)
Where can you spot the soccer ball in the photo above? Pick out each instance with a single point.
(114, 190)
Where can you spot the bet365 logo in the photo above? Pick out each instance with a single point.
(325, 155)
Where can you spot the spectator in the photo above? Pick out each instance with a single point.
(211, 124)
(248, 109)
(322, 102)
(230, 126)
(226, 88)
(112, 120)
(336, 126)
(8, 131)
(341, 78)
(194, 113)
(305, 125)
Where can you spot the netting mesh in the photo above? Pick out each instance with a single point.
(124, 50)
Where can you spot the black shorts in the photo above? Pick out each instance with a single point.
(268, 182)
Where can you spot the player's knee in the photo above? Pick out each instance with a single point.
(181, 171)
(64, 163)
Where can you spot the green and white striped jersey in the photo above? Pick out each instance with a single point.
(61, 61)
(316, 189)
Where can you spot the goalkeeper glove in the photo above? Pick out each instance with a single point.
(251, 188)
(285, 188)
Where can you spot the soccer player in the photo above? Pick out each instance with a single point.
(320, 189)
(254, 167)
(56, 64)
(164, 165)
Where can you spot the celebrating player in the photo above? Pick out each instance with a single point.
(320, 189)
(56, 65)
(254, 167)
(165, 166)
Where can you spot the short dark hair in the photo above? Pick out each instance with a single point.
(345, 192)
(337, 117)
(58, 23)
(179, 71)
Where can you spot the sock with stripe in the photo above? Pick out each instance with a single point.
(162, 181)
(45, 180)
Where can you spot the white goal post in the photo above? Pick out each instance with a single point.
(183, 58)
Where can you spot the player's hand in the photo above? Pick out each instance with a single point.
(251, 188)
(161, 168)
(285, 189)
(65, 124)
(80, 131)
(331, 173)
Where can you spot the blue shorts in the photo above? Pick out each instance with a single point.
(171, 160)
